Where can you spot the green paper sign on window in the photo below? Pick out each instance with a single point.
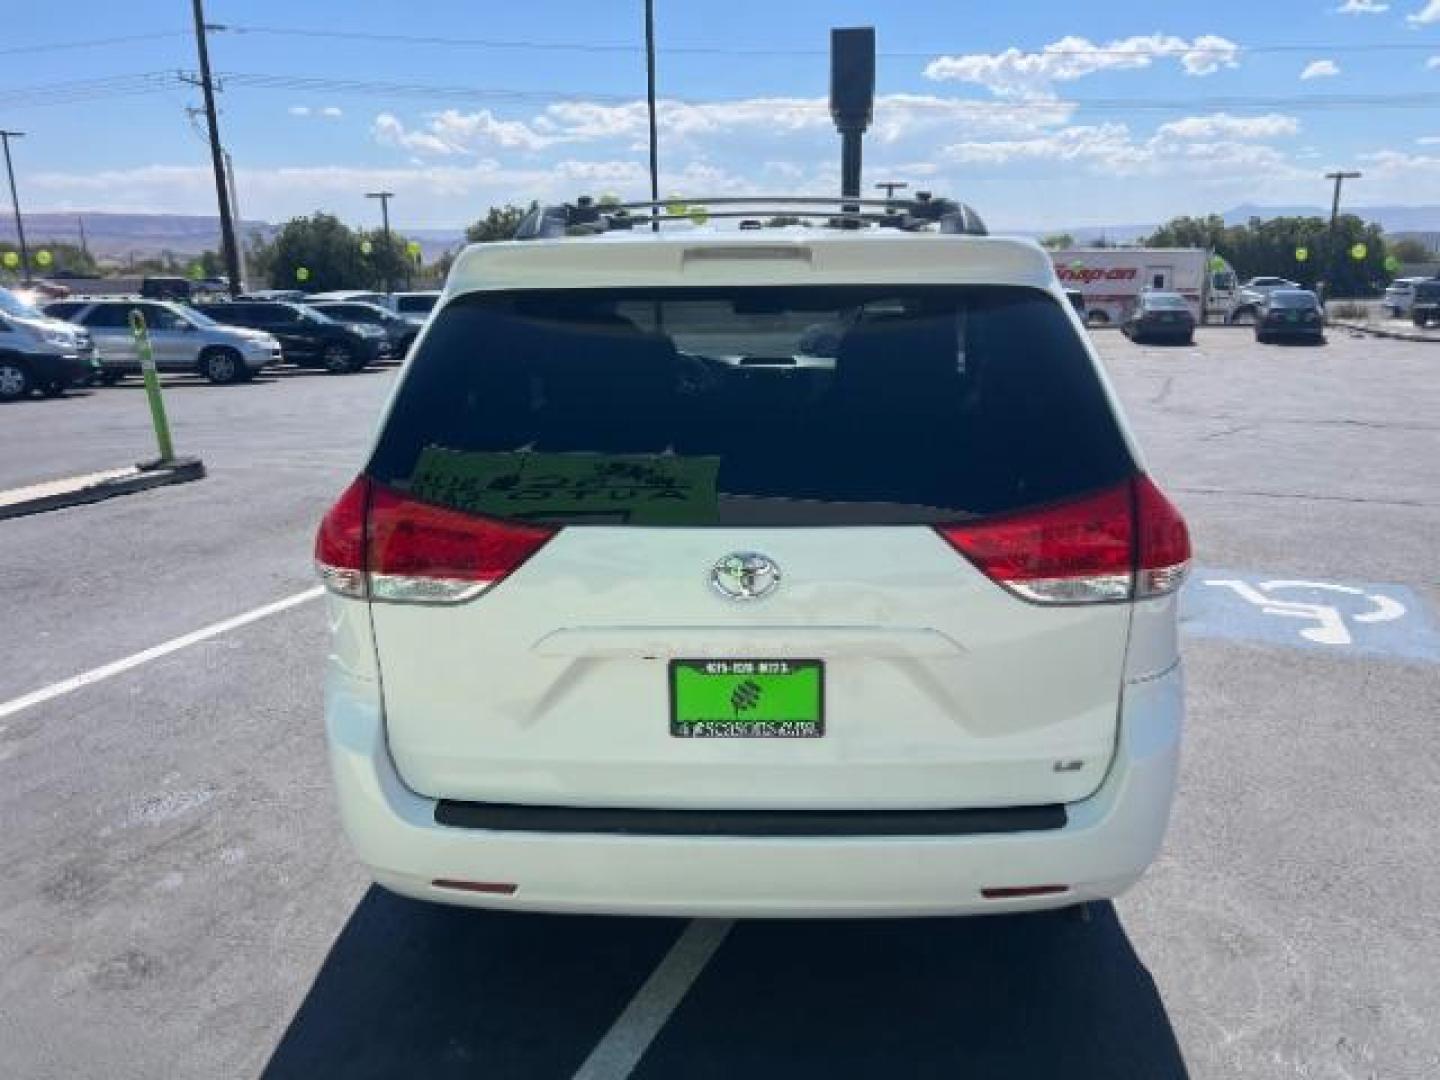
(636, 489)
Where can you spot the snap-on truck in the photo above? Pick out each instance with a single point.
(1111, 279)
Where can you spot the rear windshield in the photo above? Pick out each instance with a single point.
(1167, 302)
(751, 406)
(415, 305)
(1289, 298)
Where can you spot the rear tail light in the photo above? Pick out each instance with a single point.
(1124, 543)
(380, 543)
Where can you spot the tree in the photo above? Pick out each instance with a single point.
(1410, 250)
(333, 255)
(1057, 241)
(65, 258)
(1275, 247)
(386, 263)
(499, 223)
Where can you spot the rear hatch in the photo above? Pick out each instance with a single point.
(749, 547)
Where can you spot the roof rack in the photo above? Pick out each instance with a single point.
(588, 217)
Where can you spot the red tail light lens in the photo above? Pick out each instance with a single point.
(1162, 549)
(410, 551)
(1120, 543)
(340, 543)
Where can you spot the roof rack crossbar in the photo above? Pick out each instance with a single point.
(586, 216)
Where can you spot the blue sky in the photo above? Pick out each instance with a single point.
(1137, 110)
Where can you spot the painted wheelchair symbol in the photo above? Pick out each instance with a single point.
(1330, 628)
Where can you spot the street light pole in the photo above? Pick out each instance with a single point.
(1332, 252)
(385, 197)
(650, 101)
(5, 137)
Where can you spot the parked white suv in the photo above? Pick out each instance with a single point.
(1400, 296)
(639, 607)
(182, 339)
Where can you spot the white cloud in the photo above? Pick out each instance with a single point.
(1017, 73)
(1322, 69)
(1433, 63)
(1428, 140)
(1195, 147)
(1109, 147)
(329, 112)
(1362, 7)
(1430, 13)
(1390, 164)
(1224, 126)
(762, 123)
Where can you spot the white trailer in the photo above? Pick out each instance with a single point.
(1111, 279)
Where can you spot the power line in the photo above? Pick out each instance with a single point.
(721, 50)
(80, 90)
(1417, 99)
(57, 46)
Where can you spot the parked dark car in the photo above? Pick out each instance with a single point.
(166, 288)
(401, 331)
(306, 337)
(1160, 316)
(1425, 308)
(1077, 301)
(1290, 313)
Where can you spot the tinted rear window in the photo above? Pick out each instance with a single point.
(415, 305)
(1287, 299)
(1166, 302)
(753, 406)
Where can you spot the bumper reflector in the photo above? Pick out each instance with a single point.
(1011, 892)
(496, 888)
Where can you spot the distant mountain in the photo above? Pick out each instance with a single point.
(117, 236)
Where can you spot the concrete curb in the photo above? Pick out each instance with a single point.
(1398, 335)
(57, 496)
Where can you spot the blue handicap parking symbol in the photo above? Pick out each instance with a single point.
(1365, 618)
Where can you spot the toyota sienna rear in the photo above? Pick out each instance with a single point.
(811, 573)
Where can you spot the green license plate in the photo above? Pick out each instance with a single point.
(747, 699)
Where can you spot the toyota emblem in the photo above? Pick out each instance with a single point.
(745, 575)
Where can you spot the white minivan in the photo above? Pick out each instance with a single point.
(652, 598)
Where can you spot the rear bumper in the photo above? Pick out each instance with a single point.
(1104, 846)
(71, 369)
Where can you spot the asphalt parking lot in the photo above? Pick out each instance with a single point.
(176, 899)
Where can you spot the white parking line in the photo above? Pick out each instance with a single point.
(94, 675)
(617, 1054)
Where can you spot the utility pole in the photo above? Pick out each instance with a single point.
(239, 217)
(385, 197)
(84, 247)
(650, 100)
(5, 137)
(1332, 246)
(890, 187)
(229, 248)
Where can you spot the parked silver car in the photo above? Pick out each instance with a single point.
(183, 339)
(1400, 296)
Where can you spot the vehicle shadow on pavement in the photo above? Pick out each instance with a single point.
(414, 989)
(1013, 998)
